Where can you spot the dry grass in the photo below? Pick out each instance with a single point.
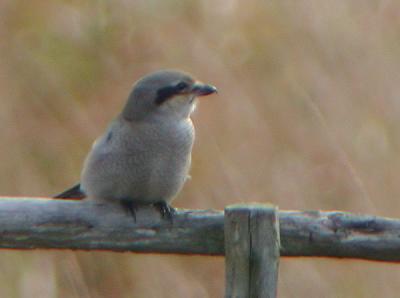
(308, 117)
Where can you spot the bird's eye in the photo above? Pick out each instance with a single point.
(181, 86)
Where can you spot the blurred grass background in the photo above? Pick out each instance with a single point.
(307, 117)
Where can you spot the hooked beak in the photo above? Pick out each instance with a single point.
(200, 89)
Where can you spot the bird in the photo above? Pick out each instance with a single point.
(144, 155)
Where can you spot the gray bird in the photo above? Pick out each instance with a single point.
(144, 155)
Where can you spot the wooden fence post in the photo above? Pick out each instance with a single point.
(251, 251)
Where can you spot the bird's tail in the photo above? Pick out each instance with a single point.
(73, 193)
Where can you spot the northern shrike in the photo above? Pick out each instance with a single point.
(144, 155)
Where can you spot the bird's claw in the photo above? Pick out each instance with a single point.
(166, 210)
(131, 207)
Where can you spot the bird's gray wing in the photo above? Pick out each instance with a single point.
(74, 192)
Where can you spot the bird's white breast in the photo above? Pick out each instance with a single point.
(140, 161)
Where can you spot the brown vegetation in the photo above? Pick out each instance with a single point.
(307, 117)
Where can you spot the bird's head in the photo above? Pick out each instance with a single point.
(165, 93)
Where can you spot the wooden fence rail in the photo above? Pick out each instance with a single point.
(28, 223)
(252, 237)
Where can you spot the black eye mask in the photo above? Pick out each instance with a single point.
(165, 93)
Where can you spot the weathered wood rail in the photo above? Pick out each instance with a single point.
(27, 223)
(252, 237)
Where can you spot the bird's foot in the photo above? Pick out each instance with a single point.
(166, 210)
(131, 207)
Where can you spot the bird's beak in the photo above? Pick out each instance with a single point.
(200, 89)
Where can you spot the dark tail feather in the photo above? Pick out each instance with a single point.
(73, 193)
